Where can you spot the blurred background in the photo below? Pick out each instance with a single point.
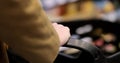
(67, 10)
(95, 21)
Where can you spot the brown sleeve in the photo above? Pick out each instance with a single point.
(27, 30)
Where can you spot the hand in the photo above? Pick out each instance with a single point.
(63, 33)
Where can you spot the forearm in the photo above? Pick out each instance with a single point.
(26, 29)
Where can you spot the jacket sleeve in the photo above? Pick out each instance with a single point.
(27, 30)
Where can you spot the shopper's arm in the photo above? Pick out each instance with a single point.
(27, 31)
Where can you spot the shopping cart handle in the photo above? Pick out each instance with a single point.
(90, 54)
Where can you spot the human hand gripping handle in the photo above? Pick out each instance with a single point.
(63, 33)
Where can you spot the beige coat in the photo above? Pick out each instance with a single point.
(25, 28)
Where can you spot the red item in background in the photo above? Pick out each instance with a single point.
(99, 42)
